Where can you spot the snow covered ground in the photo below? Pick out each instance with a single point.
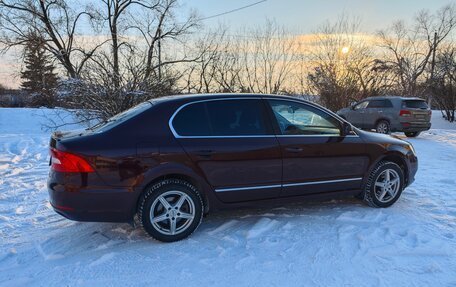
(334, 243)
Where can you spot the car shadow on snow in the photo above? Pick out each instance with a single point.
(246, 222)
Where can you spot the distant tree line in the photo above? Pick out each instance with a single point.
(138, 50)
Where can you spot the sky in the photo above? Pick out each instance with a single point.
(305, 15)
(298, 16)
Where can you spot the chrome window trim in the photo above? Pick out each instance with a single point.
(288, 184)
(176, 135)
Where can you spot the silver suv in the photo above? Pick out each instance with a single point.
(390, 114)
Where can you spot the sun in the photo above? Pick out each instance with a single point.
(345, 50)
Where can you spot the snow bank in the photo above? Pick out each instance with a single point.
(334, 243)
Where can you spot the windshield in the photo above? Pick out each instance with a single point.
(123, 116)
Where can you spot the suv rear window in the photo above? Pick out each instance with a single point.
(414, 104)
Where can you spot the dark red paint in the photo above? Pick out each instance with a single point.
(141, 150)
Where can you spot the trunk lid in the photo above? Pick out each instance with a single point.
(418, 109)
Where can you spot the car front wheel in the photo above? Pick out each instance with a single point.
(170, 210)
(384, 185)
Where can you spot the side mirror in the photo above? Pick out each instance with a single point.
(346, 129)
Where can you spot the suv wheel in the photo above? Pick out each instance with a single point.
(382, 127)
(412, 134)
(384, 185)
(170, 210)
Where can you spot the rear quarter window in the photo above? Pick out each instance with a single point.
(414, 104)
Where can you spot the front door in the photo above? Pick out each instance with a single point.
(316, 158)
(357, 114)
(231, 141)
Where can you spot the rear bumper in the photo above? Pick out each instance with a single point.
(413, 126)
(99, 204)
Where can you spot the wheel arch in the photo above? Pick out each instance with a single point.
(177, 173)
(383, 119)
(398, 159)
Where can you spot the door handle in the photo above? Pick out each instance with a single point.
(293, 149)
(205, 153)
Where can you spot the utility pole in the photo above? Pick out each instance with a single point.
(434, 47)
(159, 54)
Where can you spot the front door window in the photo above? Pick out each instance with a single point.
(298, 119)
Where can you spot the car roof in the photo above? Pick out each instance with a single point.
(199, 97)
(393, 97)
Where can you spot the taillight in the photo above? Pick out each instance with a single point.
(405, 113)
(68, 162)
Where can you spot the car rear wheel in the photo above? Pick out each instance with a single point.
(170, 210)
(412, 134)
(383, 127)
(384, 185)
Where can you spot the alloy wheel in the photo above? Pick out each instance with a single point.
(172, 212)
(382, 128)
(387, 185)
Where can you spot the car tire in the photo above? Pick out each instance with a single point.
(384, 185)
(412, 134)
(383, 127)
(170, 210)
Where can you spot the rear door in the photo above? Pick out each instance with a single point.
(376, 110)
(232, 143)
(316, 158)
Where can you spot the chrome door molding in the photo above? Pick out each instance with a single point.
(288, 184)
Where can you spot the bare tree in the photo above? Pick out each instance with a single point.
(56, 21)
(444, 82)
(259, 60)
(343, 66)
(132, 68)
(410, 48)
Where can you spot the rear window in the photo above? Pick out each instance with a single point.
(414, 104)
(119, 118)
(192, 121)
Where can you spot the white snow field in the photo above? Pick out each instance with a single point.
(332, 243)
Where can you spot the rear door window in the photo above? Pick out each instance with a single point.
(380, 104)
(414, 104)
(192, 121)
(238, 118)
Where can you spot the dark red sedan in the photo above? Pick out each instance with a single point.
(174, 159)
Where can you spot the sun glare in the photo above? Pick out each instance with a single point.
(345, 50)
